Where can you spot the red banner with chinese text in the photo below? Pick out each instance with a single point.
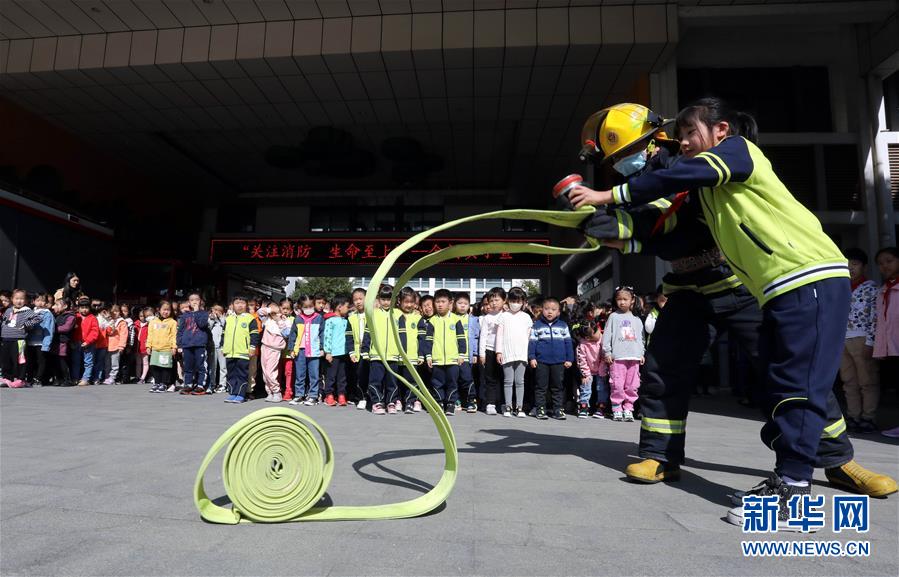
(337, 251)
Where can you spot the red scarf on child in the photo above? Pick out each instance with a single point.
(887, 290)
(858, 283)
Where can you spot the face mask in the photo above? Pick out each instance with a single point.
(631, 164)
(308, 312)
(514, 307)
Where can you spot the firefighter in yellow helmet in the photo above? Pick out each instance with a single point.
(705, 298)
(621, 138)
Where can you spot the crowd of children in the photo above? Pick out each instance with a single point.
(506, 354)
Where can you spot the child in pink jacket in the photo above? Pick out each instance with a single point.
(275, 330)
(593, 367)
(886, 334)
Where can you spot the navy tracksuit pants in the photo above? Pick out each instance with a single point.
(466, 383)
(194, 359)
(688, 323)
(382, 387)
(444, 381)
(802, 337)
(238, 376)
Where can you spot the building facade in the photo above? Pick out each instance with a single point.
(289, 121)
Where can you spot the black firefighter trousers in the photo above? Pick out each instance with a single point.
(688, 324)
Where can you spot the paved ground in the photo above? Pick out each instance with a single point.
(98, 482)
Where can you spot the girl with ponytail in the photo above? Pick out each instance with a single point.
(779, 251)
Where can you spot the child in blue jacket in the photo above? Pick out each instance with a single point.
(550, 352)
(39, 340)
(191, 338)
(337, 342)
(305, 345)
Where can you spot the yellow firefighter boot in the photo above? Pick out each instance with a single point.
(857, 479)
(652, 471)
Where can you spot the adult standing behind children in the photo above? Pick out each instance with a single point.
(71, 289)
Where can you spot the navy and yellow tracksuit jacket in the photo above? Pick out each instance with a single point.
(771, 241)
(446, 345)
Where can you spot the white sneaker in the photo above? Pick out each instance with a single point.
(521, 414)
(507, 412)
(310, 401)
(617, 416)
(491, 409)
(399, 405)
(361, 405)
(171, 389)
(296, 401)
(274, 398)
(628, 416)
(416, 406)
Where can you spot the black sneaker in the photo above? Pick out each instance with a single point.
(773, 485)
(559, 415)
(541, 413)
(865, 426)
(471, 408)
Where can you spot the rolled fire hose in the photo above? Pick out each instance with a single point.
(279, 462)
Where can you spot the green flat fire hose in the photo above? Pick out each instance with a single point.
(279, 462)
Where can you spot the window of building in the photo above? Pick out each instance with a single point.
(795, 99)
(893, 150)
(891, 100)
(841, 177)
(795, 166)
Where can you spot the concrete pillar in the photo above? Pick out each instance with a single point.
(876, 165)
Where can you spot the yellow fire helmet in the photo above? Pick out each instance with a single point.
(617, 128)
